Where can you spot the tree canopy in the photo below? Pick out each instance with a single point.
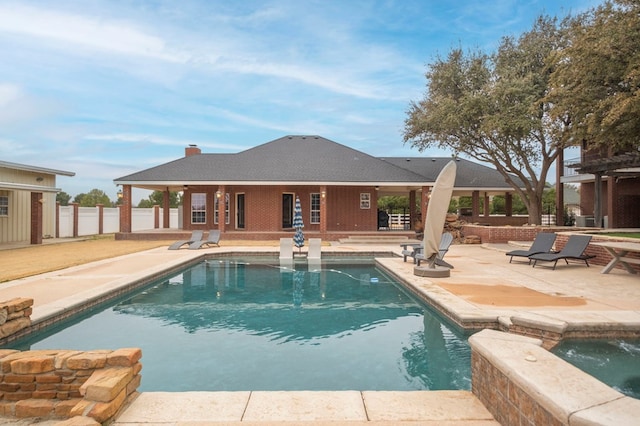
(63, 198)
(596, 81)
(492, 108)
(157, 198)
(92, 198)
(563, 83)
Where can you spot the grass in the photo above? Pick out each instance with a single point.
(621, 234)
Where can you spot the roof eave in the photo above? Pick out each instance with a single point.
(35, 169)
(27, 187)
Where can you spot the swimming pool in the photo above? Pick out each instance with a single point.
(615, 362)
(251, 324)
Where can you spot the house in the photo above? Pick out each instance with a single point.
(27, 202)
(251, 194)
(609, 187)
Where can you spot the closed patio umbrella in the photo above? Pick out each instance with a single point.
(437, 213)
(298, 224)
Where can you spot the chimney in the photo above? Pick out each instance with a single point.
(192, 149)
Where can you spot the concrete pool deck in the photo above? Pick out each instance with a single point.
(483, 288)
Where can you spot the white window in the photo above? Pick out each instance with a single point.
(198, 208)
(315, 208)
(4, 205)
(216, 211)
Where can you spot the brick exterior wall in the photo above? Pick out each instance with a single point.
(504, 234)
(625, 205)
(264, 208)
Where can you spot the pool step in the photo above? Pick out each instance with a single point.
(307, 408)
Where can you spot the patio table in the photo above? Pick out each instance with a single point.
(619, 250)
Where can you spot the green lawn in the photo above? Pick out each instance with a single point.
(620, 234)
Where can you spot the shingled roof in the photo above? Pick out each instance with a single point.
(469, 175)
(306, 160)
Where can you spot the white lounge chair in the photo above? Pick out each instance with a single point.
(286, 248)
(315, 250)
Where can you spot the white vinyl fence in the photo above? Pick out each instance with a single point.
(88, 220)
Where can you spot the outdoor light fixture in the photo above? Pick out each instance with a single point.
(323, 194)
(120, 193)
(218, 194)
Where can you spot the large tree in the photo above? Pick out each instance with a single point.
(491, 108)
(92, 198)
(596, 82)
(157, 198)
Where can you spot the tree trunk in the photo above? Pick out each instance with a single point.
(535, 214)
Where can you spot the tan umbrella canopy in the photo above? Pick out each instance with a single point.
(437, 213)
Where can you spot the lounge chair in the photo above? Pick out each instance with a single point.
(212, 239)
(315, 250)
(195, 236)
(543, 243)
(574, 249)
(409, 250)
(286, 248)
(443, 248)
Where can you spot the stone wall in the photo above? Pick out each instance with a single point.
(66, 383)
(62, 383)
(521, 383)
(15, 315)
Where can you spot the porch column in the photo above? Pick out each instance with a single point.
(412, 209)
(222, 204)
(36, 218)
(125, 209)
(424, 203)
(487, 205)
(156, 216)
(323, 210)
(166, 208)
(560, 188)
(475, 204)
(508, 204)
(612, 196)
(597, 201)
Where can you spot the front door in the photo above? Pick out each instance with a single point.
(287, 210)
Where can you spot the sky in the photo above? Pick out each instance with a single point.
(105, 88)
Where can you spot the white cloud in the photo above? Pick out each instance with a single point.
(93, 33)
(151, 139)
(8, 94)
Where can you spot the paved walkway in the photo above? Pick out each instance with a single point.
(476, 290)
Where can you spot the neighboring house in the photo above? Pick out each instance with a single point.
(609, 188)
(27, 202)
(253, 192)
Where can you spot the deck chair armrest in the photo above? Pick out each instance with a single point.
(411, 245)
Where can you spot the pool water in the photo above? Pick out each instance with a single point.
(614, 362)
(225, 325)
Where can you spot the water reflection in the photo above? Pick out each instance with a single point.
(281, 301)
(300, 326)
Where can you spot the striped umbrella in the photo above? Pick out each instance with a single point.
(298, 238)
